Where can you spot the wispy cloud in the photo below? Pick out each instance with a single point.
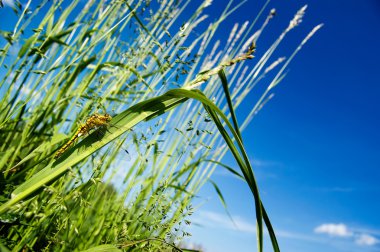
(214, 219)
(265, 163)
(366, 230)
(366, 240)
(221, 221)
(297, 236)
(341, 230)
(336, 189)
(263, 169)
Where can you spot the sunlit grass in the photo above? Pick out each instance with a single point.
(171, 96)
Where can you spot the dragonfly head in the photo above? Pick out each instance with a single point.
(107, 117)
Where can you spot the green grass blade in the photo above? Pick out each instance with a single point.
(243, 161)
(223, 78)
(121, 123)
(270, 229)
(103, 248)
(268, 224)
(230, 169)
(125, 121)
(220, 195)
(246, 172)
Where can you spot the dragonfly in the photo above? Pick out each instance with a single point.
(95, 121)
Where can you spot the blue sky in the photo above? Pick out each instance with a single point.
(315, 146)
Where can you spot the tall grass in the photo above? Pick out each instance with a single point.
(172, 95)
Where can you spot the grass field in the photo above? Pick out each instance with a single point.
(126, 183)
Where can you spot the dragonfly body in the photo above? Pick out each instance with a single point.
(93, 122)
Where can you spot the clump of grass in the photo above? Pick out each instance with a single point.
(74, 59)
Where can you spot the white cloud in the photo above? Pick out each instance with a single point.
(221, 221)
(9, 3)
(332, 229)
(361, 237)
(366, 240)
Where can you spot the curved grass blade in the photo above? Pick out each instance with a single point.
(220, 195)
(230, 169)
(240, 155)
(247, 171)
(42, 148)
(222, 200)
(126, 120)
(223, 78)
(103, 248)
(276, 247)
(3, 248)
(122, 123)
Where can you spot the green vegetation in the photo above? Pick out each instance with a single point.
(172, 95)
